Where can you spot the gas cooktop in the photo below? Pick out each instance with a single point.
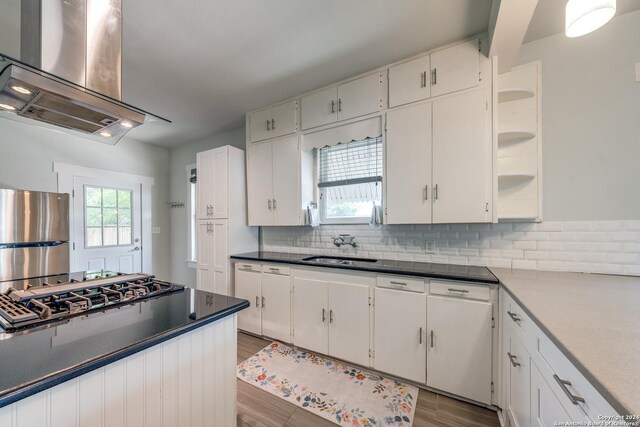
(38, 305)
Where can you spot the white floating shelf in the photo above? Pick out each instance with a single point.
(514, 136)
(516, 175)
(514, 94)
(519, 218)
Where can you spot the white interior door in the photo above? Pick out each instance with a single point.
(107, 225)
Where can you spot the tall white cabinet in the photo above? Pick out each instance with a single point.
(221, 208)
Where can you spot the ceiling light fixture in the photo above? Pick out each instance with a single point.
(21, 89)
(585, 16)
(105, 134)
(126, 125)
(7, 107)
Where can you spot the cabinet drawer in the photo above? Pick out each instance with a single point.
(412, 284)
(520, 323)
(276, 269)
(569, 381)
(460, 289)
(248, 266)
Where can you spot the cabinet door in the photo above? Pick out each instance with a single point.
(518, 385)
(260, 125)
(248, 287)
(220, 259)
(546, 409)
(220, 183)
(276, 306)
(284, 119)
(409, 82)
(205, 256)
(311, 314)
(408, 170)
(462, 158)
(260, 184)
(286, 205)
(456, 364)
(400, 328)
(349, 322)
(204, 185)
(359, 97)
(319, 108)
(455, 68)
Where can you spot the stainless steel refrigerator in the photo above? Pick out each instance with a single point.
(34, 234)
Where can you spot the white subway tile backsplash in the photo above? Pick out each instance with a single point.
(582, 246)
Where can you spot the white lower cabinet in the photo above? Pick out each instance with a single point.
(332, 318)
(459, 350)
(546, 408)
(400, 325)
(270, 297)
(518, 382)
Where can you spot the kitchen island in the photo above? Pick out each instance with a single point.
(169, 360)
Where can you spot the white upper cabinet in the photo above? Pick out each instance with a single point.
(213, 185)
(462, 158)
(408, 165)
(274, 122)
(204, 170)
(409, 81)
(455, 68)
(320, 108)
(359, 97)
(273, 182)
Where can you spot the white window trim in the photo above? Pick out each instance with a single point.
(66, 172)
(192, 261)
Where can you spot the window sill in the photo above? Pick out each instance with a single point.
(192, 264)
(345, 221)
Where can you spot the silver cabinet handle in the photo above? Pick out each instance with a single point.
(257, 302)
(274, 269)
(263, 300)
(274, 203)
(420, 340)
(269, 203)
(563, 385)
(514, 317)
(339, 104)
(513, 359)
(435, 192)
(247, 266)
(432, 338)
(273, 124)
(398, 283)
(333, 106)
(426, 192)
(330, 316)
(324, 317)
(268, 123)
(434, 76)
(423, 79)
(464, 291)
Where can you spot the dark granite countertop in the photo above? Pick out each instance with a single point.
(407, 268)
(39, 358)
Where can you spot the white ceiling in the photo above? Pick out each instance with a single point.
(203, 64)
(548, 19)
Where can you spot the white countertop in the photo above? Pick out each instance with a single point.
(594, 319)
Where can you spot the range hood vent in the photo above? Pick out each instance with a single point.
(69, 74)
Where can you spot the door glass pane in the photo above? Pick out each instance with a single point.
(108, 217)
(110, 236)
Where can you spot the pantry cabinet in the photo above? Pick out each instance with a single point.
(462, 188)
(409, 81)
(213, 256)
(454, 364)
(212, 171)
(273, 122)
(332, 318)
(400, 333)
(273, 182)
(455, 68)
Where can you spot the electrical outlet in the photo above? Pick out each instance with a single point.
(430, 247)
(155, 230)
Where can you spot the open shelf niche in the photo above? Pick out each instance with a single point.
(519, 166)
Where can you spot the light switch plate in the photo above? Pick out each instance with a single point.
(638, 71)
(155, 230)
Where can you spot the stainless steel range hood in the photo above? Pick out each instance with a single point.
(69, 73)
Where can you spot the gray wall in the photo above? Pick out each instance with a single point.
(180, 158)
(27, 153)
(10, 28)
(590, 122)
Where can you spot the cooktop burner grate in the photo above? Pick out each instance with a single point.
(14, 312)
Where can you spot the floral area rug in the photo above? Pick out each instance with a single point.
(343, 394)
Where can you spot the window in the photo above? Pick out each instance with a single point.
(191, 206)
(107, 217)
(350, 180)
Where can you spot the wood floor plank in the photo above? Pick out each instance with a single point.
(257, 408)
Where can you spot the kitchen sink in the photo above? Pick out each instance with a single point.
(339, 260)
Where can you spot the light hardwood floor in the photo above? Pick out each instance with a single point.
(257, 408)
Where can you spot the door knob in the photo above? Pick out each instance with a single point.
(136, 248)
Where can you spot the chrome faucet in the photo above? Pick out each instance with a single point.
(345, 239)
